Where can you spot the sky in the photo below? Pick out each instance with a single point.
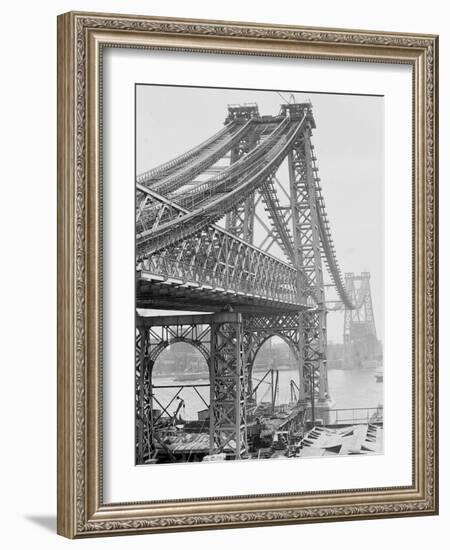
(349, 145)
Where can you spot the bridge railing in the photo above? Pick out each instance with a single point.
(348, 416)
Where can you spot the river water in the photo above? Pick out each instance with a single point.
(356, 388)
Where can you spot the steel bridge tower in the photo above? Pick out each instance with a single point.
(360, 337)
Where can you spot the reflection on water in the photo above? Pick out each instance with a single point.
(347, 388)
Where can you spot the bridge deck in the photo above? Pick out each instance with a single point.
(154, 292)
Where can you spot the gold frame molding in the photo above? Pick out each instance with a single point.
(81, 37)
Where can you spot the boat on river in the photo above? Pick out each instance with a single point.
(379, 373)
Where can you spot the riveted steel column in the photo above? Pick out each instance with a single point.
(228, 427)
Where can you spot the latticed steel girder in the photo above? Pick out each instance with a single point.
(308, 259)
(281, 232)
(313, 351)
(217, 259)
(305, 225)
(229, 382)
(240, 221)
(144, 422)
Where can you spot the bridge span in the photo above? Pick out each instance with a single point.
(195, 251)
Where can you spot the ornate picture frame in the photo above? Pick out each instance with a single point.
(82, 39)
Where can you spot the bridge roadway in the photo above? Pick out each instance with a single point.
(171, 293)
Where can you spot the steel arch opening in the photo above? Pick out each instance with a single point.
(180, 388)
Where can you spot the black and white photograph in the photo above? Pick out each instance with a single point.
(259, 287)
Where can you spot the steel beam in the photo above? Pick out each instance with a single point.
(241, 220)
(228, 427)
(308, 260)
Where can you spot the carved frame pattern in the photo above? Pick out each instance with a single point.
(80, 39)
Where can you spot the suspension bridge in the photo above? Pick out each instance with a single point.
(196, 251)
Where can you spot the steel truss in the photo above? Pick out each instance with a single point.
(229, 383)
(308, 259)
(301, 331)
(216, 259)
(260, 328)
(241, 220)
(179, 244)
